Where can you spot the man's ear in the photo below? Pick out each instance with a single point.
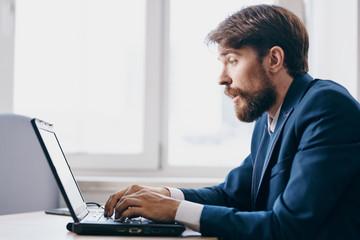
(275, 59)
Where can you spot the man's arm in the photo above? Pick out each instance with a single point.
(125, 200)
(189, 212)
(235, 191)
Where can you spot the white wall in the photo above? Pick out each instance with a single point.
(333, 32)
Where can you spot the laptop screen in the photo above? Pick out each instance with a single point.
(63, 170)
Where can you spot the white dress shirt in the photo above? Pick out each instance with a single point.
(272, 122)
(188, 213)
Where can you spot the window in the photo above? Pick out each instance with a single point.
(87, 77)
(131, 84)
(86, 66)
(81, 65)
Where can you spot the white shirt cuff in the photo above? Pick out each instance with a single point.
(176, 193)
(189, 213)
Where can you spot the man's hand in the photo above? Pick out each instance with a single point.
(149, 202)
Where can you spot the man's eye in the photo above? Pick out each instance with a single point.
(232, 61)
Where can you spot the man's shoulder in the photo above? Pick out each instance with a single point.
(328, 95)
(327, 111)
(328, 85)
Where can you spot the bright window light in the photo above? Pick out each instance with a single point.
(80, 65)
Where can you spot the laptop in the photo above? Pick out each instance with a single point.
(88, 222)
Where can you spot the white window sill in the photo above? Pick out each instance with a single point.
(104, 183)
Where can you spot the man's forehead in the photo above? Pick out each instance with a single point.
(224, 51)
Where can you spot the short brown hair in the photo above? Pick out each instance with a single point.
(262, 27)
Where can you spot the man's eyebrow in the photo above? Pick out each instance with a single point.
(224, 53)
(227, 51)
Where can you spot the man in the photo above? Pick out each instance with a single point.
(302, 177)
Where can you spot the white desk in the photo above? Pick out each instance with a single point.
(38, 226)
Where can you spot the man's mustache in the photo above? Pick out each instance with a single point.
(231, 92)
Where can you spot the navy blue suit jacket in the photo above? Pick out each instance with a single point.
(302, 181)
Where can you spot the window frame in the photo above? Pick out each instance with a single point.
(148, 159)
(7, 16)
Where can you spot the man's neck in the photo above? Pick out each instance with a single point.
(282, 84)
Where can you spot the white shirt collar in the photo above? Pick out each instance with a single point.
(273, 121)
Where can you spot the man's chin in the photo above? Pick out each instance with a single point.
(246, 120)
(245, 115)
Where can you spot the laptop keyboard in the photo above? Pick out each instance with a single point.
(94, 216)
(138, 220)
(99, 217)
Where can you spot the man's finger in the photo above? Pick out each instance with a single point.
(106, 206)
(111, 203)
(125, 203)
(131, 212)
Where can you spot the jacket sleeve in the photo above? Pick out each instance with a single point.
(324, 173)
(233, 192)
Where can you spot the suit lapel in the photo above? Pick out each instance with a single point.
(270, 149)
(259, 163)
(295, 93)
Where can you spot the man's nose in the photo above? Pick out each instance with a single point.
(224, 78)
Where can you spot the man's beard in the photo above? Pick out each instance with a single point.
(256, 102)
